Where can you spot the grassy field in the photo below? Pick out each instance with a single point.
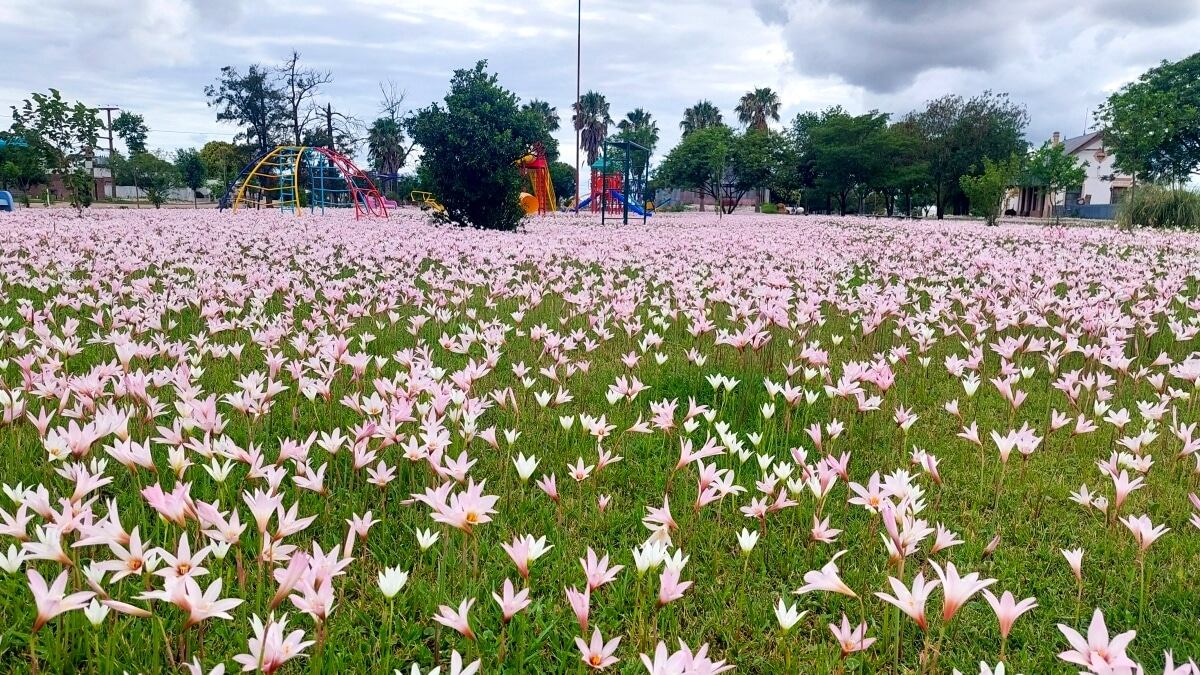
(420, 344)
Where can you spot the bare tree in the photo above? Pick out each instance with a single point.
(300, 87)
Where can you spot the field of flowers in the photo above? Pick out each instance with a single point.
(253, 442)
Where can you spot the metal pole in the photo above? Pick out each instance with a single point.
(578, 59)
(625, 186)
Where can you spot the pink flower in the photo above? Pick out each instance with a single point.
(670, 587)
(826, 579)
(598, 654)
(269, 649)
(1007, 609)
(581, 605)
(1097, 653)
(851, 640)
(458, 620)
(53, 601)
(957, 590)
(511, 603)
(598, 572)
(911, 602)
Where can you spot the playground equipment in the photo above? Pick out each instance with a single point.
(294, 177)
(427, 201)
(616, 188)
(6, 201)
(536, 167)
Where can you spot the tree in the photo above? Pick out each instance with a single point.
(719, 163)
(986, 190)
(958, 134)
(63, 135)
(346, 130)
(703, 115)
(300, 87)
(158, 176)
(848, 153)
(591, 120)
(252, 101)
(469, 146)
(1153, 125)
(191, 170)
(639, 127)
(547, 112)
(20, 165)
(562, 176)
(387, 146)
(223, 160)
(132, 130)
(1050, 167)
(758, 108)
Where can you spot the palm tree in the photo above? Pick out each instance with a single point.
(639, 126)
(758, 107)
(385, 146)
(700, 116)
(591, 119)
(547, 112)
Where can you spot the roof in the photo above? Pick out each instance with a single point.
(1073, 145)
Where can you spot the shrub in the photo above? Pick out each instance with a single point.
(468, 148)
(1160, 207)
(769, 209)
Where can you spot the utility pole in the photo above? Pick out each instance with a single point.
(329, 123)
(578, 60)
(108, 111)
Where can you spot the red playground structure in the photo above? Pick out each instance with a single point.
(536, 168)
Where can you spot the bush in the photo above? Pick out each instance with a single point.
(469, 146)
(768, 209)
(1160, 207)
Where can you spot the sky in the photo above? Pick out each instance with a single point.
(1060, 58)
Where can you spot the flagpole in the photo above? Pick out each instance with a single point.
(578, 58)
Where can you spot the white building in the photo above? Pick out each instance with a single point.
(1103, 185)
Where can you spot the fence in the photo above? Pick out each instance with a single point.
(1088, 211)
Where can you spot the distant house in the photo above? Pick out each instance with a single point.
(1096, 198)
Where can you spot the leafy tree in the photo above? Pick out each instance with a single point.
(252, 101)
(223, 160)
(20, 165)
(386, 147)
(700, 116)
(1153, 125)
(591, 120)
(1054, 169)
(906, 169)
(639, 127)
(299, 87)
(848, 153)
(756, 157)
(562, 175)
(547, 112)
(469, 146)
(191, 170)
(158, 177)
(63, 135)
(132, 130)
(758, 108)
(719, 163)
(986, 190)
(958, 134)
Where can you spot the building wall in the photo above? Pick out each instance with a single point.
(1097, 190)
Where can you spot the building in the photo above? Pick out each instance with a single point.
(1096, 198)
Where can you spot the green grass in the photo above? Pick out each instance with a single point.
(730, 605)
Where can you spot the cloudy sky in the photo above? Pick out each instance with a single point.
(1059, 57)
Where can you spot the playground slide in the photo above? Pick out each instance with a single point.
(583, 204)
(633, 208)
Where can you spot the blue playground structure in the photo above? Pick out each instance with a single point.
(6, 201)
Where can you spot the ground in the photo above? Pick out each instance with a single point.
(208, 339)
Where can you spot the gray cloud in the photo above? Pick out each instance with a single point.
(1060, 57)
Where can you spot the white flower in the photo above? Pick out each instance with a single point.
(427, 538)
(787, 616)
(12, 561)
(391, 580)
(525, 466)
(95, 612)
(747, 539)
